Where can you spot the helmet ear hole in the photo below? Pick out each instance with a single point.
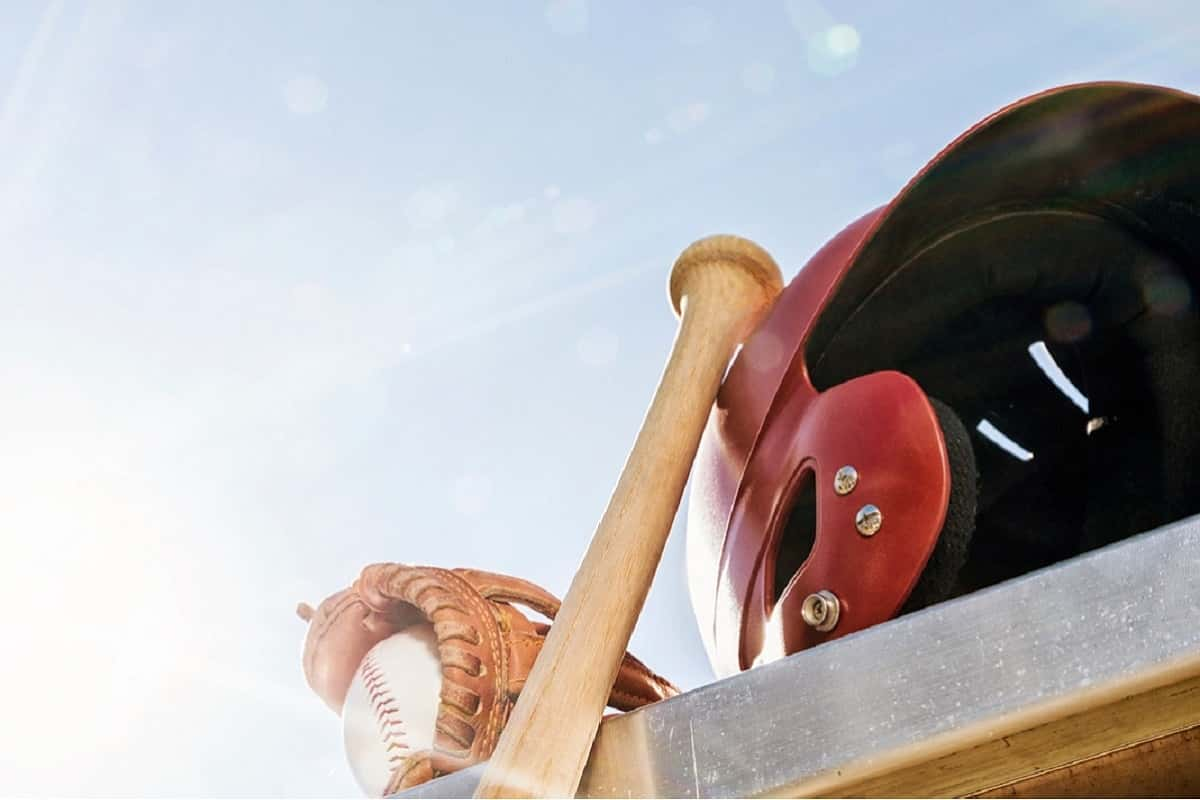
(799, 533)
(939, 579)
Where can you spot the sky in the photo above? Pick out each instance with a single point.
(287, 288)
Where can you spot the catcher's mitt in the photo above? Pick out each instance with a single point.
(486, 647)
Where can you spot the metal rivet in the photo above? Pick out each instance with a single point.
(868, 520)
(845, 479)
(821, 610)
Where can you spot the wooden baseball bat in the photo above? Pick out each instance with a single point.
(720, 287)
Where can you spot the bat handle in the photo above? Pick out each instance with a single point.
(720, 287)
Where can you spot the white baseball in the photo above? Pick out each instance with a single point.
(392, 705)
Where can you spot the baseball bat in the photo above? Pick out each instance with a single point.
(719, 287)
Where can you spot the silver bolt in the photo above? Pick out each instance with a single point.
(845, 479)
(868, 520)
(821, 610)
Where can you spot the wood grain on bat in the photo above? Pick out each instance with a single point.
(720, 287)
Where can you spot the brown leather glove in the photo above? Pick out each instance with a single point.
(486, 647)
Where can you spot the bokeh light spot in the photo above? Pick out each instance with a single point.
(1166, 294)
(764, 353)
(833, 50)
(430, 205)
(567, 17)
(1068, 322)
(843, 40)
(687, 117)
(305, 94)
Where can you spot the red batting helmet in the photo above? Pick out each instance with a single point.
(996, 371)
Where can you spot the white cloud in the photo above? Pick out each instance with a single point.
(654, 136)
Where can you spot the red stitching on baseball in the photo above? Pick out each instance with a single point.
(391, 726)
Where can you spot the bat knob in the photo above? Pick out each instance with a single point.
(734, 270)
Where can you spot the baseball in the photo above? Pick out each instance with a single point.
(392, 706)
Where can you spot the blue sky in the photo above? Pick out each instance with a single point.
(288, 288)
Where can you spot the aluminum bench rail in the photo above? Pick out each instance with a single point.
(1052, 668)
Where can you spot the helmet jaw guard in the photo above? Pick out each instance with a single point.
(883, 427)
(767, 528)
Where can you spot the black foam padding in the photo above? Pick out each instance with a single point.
(939, 580)
(1143, 463)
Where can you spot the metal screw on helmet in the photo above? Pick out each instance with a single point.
(821, 610)
(868, 520)
(845, 479)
